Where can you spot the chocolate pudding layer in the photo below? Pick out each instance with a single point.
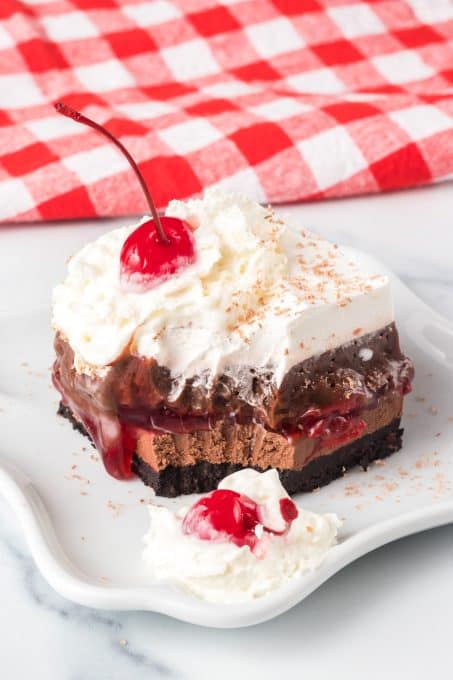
(136, 387)
(241, 418)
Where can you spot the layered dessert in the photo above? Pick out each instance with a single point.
(265, 347)
(240, 542)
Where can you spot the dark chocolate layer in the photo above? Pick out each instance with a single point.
(135, 386)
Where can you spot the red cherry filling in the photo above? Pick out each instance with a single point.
(146, 260)
(335, 429)
(406, 387)
(331, 426)
(151, 254)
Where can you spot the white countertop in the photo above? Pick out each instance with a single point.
(387, 615)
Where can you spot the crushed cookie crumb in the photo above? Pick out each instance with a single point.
(391, 486)
(352, 490)
(81, 479)
(116, 508)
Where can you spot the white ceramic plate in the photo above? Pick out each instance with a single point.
(84, 528)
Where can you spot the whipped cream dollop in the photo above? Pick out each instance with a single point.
(221, 571)
(260, 293)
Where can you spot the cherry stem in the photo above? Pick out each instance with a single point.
(67, 111)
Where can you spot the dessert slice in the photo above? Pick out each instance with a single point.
(218, 338)
(273, 349)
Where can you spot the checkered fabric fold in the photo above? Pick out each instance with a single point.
(285, 100)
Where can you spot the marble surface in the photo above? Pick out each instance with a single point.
(386, 615)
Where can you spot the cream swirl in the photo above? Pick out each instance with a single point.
(239, 262)
(220, 571)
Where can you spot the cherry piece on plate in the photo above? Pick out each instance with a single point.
(157, 249)
(223, 514)
(288, 509)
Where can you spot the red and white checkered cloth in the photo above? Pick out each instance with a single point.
(286, 100)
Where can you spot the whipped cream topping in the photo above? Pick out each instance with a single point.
(220, 571)
(260, 293)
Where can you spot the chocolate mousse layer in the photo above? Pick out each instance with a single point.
(205, 476)
(350, 396)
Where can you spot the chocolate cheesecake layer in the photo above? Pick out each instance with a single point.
(203, 456)
(174, 480)
(251, 445)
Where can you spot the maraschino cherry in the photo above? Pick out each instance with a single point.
(228, 515)
(223, 514)
(158, 248)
